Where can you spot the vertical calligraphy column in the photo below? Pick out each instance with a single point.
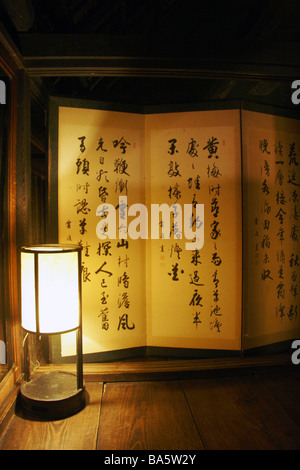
(280, 220)
(103, 271)
(196, 280)
(293, 183)
(123, 300)
(214, 190)
(265, 223)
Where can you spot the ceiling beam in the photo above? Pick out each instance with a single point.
(103, 55)
(153, 68)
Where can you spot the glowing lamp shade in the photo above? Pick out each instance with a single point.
(50, 288)
(51, 304)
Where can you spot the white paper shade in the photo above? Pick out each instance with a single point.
(50, 290)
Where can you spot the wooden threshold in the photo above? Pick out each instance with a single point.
(170, 369)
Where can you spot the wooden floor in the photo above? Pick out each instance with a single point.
(249, 411)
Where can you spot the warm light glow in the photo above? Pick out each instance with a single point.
(57, 290)
(28, 291)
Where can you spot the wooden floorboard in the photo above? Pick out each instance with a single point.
(146, 415)
(248, 411)
(78, 432)
(241, 413)
(285, 388)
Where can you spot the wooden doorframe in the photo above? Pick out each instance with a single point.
(17, 207)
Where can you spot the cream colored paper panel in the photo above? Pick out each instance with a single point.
(100, 157)
(194, 297)
(271, 152)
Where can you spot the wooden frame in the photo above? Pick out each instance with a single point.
(12, 298)
(17, 207)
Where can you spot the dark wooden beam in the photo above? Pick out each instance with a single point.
(120, 68)
(103, 55)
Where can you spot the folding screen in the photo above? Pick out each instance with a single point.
(172, 281)
(271, 157)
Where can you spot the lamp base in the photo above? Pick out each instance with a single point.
(52, 396)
